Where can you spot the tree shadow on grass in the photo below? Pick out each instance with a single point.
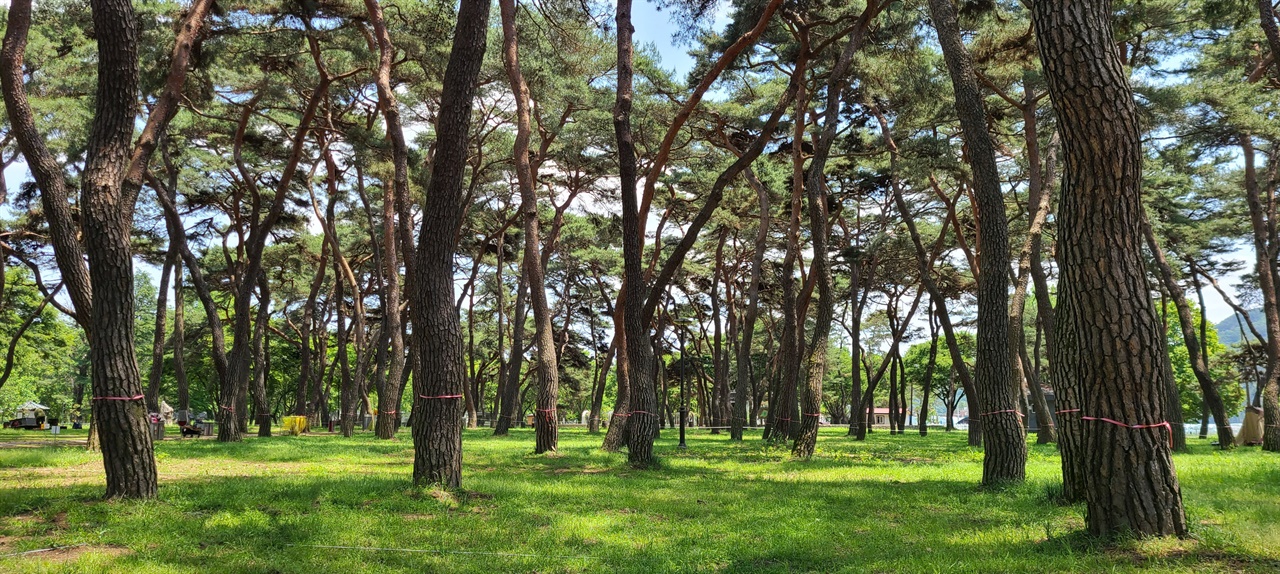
(707, 509)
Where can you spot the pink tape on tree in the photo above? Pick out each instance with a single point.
(1014, 411)
(1164, 424)
(133, 398)
(1066, 411)
(440, 397)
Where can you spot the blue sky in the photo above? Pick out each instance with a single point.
(654, 27)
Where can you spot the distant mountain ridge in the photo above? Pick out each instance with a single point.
(1230, 329)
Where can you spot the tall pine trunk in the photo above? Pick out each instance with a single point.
(643, 424)
(1108, 336)
(1265, 248)
(547, 428)
(437, 410)
(389, 395)
(1005, 450)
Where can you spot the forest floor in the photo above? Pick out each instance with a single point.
(328, 504)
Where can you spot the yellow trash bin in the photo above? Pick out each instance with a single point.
(294, 425)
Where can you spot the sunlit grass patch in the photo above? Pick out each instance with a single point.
(890, 504)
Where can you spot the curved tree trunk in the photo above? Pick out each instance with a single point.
(1265, 248)
(547, 428)
(616, 434)
(110, 180)
(1212, 400)
(1108, 336)
(643, 423)
(389, 395)
(1005, 451)
(935, 294)
(819, 232)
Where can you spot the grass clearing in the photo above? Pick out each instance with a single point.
(891, 504)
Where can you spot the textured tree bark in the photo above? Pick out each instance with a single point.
(107, 215)
(157, 340)
(742, 384)
(643, 422)
(389, 396)
(1212, 400)
(547, 428)
(616, 434)
(819, 232)
(1265, 249)
(50, 177)
(1108, 336)
(437, 410)
(510, 406)
(1005, 452)
(926, 390)
(260, 365)
(1267, 17)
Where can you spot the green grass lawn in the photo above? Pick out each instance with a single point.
(890, 504)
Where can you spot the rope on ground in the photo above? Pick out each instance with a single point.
(40, 550)
(428, 551)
